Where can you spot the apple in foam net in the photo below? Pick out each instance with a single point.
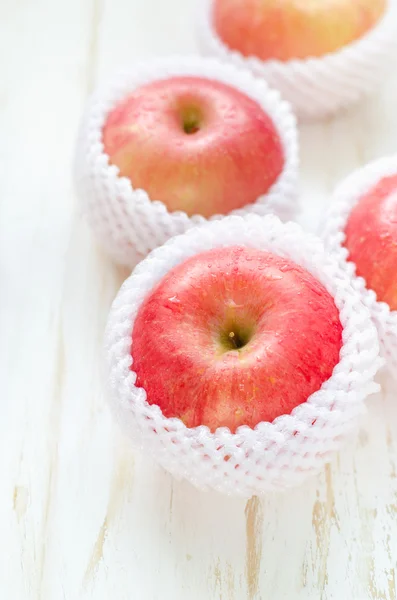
(288, 29)
(197, 145)
(371, 239)
(235, 336)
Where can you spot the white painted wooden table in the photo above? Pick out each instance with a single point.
(81, 515)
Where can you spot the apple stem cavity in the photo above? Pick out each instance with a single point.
(235, 338)
(191, 120)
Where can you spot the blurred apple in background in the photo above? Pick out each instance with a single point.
(197, 145)
(235, 336)
(288, 29)
(371, 238)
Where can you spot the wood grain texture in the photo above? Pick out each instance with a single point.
(81, 515)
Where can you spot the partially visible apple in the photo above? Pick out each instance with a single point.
(371, 238)
(197, 145)
(288, 29)
(235, 336)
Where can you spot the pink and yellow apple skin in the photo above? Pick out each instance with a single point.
(198, 145)
(371, 239)
(235, 336)
(294, 29)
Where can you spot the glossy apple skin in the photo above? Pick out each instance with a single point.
(182, 350)
(232, 158)
(288, 29)
(371, 238)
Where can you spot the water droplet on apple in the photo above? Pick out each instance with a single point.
(285, 268)
(275, 277)
(174, 299)
(315, 307)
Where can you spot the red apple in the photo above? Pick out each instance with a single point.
(371, 238)
(197, 145)
(235, 336)
(288, 29)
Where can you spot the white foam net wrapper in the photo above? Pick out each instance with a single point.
(316, 87)
(274, 455)
(332, 231)
(129, 223)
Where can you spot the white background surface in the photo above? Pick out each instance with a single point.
(81, 516)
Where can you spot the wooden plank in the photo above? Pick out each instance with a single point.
(44, 48)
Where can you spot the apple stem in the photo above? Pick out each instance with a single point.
(190, 128)
(232, 337)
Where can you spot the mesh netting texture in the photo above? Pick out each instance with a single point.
(332, 231)
(316, 87)
(272, 456)
(127, 222)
